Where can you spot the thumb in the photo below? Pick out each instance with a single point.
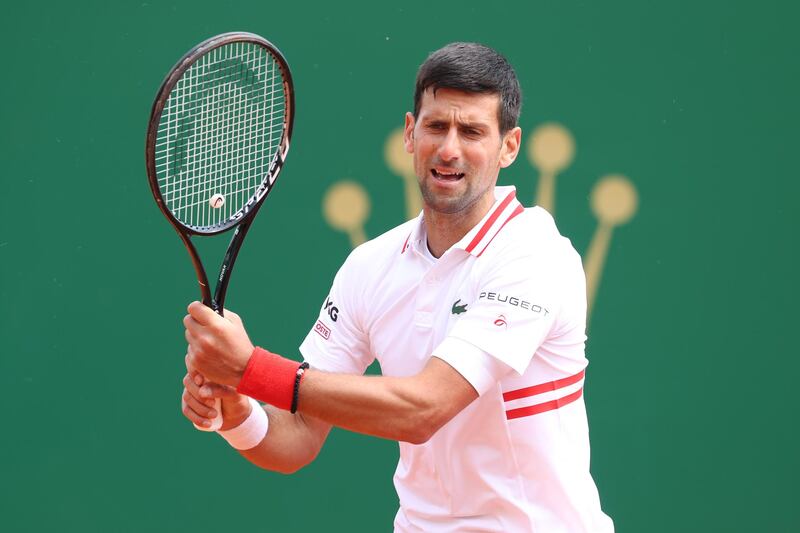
(205, 316)
(215, 390)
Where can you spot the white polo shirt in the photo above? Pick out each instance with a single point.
(505, 307)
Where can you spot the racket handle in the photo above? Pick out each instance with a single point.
(216, 423)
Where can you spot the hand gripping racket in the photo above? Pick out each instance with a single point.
(217, 138)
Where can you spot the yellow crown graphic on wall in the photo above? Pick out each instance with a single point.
(550, 150)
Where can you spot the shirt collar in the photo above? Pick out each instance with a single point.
(475, 242)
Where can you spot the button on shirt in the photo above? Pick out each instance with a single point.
(506, 308)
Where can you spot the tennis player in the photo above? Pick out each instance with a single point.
(476, 311)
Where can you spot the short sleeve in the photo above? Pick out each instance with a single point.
(476, 366)
(337, 342)
(513, 313)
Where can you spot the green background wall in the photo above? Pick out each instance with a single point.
(692, 345)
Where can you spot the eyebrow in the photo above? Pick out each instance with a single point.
(461, 124)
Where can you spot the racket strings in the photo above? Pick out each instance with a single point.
(219, 132)
(182, 190)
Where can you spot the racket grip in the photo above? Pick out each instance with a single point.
(216, 423)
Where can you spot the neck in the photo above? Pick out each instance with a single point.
(446, 229)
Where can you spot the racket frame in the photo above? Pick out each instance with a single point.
(241, 219)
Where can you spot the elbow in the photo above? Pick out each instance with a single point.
(288, 470)
(284, 465)
(420, 428)
(300, 462)
(284, 468)
(420, 437)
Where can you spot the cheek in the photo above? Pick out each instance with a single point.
(424, 145)
(423, 151)
(476, 157)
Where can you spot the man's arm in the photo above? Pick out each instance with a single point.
(292, 442)
(407, 409)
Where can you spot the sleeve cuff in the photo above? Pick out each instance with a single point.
(476, 366)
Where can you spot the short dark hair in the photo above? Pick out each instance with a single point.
(473, 68)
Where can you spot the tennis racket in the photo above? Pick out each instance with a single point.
(217, 139)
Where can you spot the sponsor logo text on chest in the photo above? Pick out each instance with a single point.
(513, 300)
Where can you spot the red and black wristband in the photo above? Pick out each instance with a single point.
(272, 379)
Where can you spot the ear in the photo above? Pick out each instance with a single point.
(510, 148)
(408, 133)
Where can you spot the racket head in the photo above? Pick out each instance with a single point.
(220, 125)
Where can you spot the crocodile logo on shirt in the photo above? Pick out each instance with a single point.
(458, 309)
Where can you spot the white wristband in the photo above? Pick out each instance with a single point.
(250, 432)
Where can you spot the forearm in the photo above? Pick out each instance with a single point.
(407, 409)
(292, 442)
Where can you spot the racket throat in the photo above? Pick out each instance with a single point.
(228, 261)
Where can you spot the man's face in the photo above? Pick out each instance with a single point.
(458, 150)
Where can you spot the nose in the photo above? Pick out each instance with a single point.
(450, 149)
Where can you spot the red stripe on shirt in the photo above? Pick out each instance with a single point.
(544, 387)
(514, 213)
(405, 244)
(485, 229)
(544, 407)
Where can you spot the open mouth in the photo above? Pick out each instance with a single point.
(446, 175)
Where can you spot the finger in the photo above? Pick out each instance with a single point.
(192, 325)
(206, 391)
(215, 390)
(198, 407)
(232, 317)
(193, 417)
(191, 338)
(187, 360)
(205, 316)
(196, 391)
